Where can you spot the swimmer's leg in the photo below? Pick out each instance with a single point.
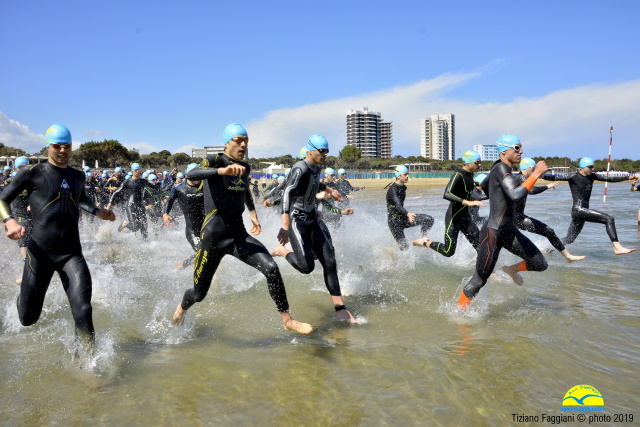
(76, 281)
(36, 276)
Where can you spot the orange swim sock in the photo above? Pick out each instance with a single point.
(522, 266)
(464, 301)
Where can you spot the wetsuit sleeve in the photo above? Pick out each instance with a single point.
(397, 203)
(248, 200)
(291, 189)
(561, 177)
(87, 204)
(206, 169)
(510, 185)
(11, 191)
(330, 207)
(537, 189)
(118, 194)
(172, 198)
(322, 186)
(451, 187)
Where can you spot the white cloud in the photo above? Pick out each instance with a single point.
(15, 134)
(573, 122)
(186, 149)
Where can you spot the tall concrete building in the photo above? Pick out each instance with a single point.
(487, 152)
(438, 137)
(366, 131)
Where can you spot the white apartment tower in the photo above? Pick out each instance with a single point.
(487, 152)
(438, 137)
(367, 132)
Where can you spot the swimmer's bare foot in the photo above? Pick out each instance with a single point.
(618, 249)
(178, 266)
(423, 241)
(572, 258)
(19, 281)
(280, 250)
(293, 325)
(178, 316)
(345, 315)
(122, 226)
(512, 271)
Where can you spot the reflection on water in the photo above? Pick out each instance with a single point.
(413, 358)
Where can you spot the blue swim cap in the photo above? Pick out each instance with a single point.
(151, 177)
(480, 178)
(274, 176)
(88, 174)
(287, 171)
(180, 175)
(401, 169)
(105, 171)
(57, 134)
(507, 141)
(128, 176)
(329, 171)
(118, 169)
(470, 157)
(341, 171)
(191, 166)
(86, 168)
(317, 141)
(302, 153)
(165, 173)
(14, 173)
(526, 163)
(7, 168)
(104, 175)
(586, 161)
(145, 174)
(280, 179)
(135, 166)
(20, 161)
(234, 129)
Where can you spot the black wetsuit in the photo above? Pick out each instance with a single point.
(458, 218)
(308, 234)
(191, 201)
(345, 188)
(532, 225)
(581, 187)
(477, 195)
(500, 230)
(21, 212)
(55, 196)
(223, 232)
(131, 194)
(397, 216)
(152, 196)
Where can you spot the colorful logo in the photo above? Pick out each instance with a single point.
(583, 398)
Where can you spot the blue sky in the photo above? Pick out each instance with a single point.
(171, 75)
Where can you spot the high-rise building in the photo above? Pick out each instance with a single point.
(438, 137)
(367, 132)
(487, 152)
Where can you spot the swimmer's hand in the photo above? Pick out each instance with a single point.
(411, 217)
(473, 202)
(283, 236)
(348, 211)
(323, 195)
(267, 203)
(350, 197)
(552, 185)
(232, 170)
(335, 194)
(257, 228)
(166, 219)
(14, 230)
(106, 215)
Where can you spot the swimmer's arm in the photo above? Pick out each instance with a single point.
(290, 189)
(205, 169)
(536, 189)
(248, 201)
(5, 210)
(448, 192)
(172, 199)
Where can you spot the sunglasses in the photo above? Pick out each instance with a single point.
(323, 150)
(239, 139)
(478, 162)
(516, 148)
(590, 167)
(59, 146)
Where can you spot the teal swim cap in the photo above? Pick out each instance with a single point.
(104, 175)
(86, 168)
(317, 141)
(586, 161)
(135, 166)
(401, 169)
(151, 177)
(507, 141)
(341, 171)
(145, 175)
(14, 173)
(180, 175)
(88, 174)
(470, 157)
(302, 153)
(164, 173)
(57, 134)
(20, 161)
(7, 168)
(234, 129)
(527, 163)
(119, 169)
(329, 171)
(191, 166)
(280, 179)
(481, 178)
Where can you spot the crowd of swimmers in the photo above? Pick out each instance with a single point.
(41, 206)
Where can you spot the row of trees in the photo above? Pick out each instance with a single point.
(110, 154)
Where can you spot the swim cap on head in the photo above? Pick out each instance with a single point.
(86, 168)
(287, 171)
(480, 178)
(506, 141)
(527, 163)
(329, 171)
(14, 173)
(135, 166)
(234, 129)
(191, 166)
(119, 169)
(180, 175)
(280, 179)
(57, 134)
(165, 172)
(151, 177)
(105, 171)
(275, 176)
(145, 174)
(586, 161)
(20, 161)
(7, 168)
(341, 171)
(401, 169)
(470, 157)
(302, 153)
(88, 174)
(317, 141)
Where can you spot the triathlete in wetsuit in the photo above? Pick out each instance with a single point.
(458, 193)
(636, 187)
(226, 191)
(398, 218)
(532, 225)
(56, 194)
(302, 226)
(131, 194)
(478, 195)
(500, 230)
(581, 185)
(191, 200)
(345, 188)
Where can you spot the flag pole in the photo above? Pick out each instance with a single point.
(604, 198)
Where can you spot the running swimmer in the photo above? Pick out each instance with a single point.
(477, 195)
(226, 192)
(22, 212)
(500, 230)
(458, 193)
(301, 225)
(131, 194)
(398, 218)
(581, 185)
(56, 193)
